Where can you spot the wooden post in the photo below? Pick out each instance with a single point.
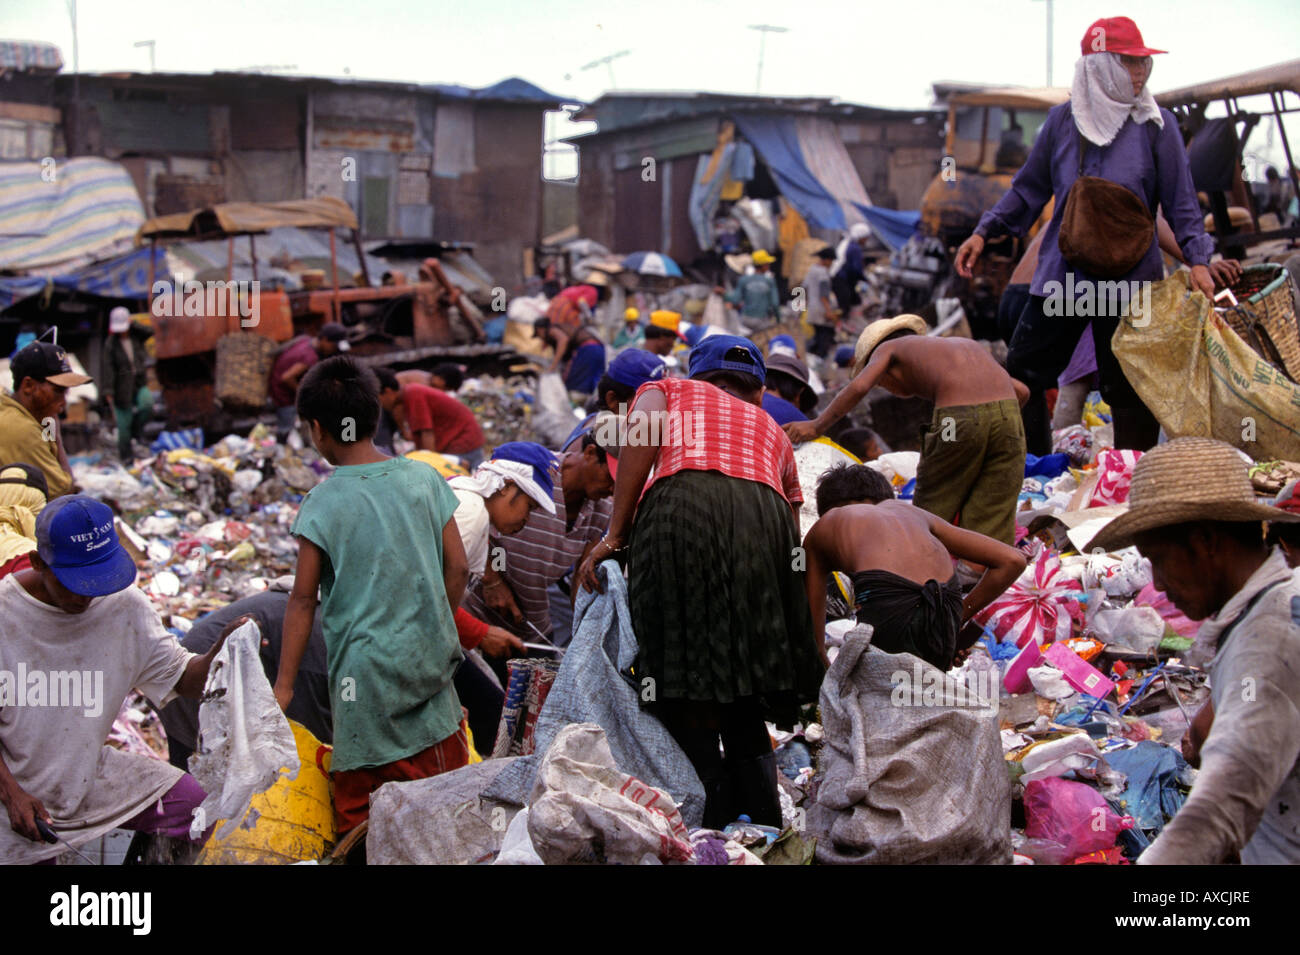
(334, 269)
(361, 256)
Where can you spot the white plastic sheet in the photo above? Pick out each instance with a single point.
(245, 743)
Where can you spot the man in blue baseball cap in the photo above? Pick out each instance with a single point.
(77, 638)
(520, 594)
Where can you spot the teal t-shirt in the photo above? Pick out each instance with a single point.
(756, 294)
(390, 638)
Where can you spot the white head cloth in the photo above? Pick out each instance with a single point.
(1101, 98)
(491, 476)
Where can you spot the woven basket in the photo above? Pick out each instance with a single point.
(243, 366)
(1265, 316)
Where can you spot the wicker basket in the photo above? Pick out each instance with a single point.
(1265, 316)
(243, 366)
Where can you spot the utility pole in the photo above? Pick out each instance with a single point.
(607, 61)
(150, 44)
(763, 30)
(73, 145)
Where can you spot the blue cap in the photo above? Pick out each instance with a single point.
(786, 341)
(844, 356)
(530, 452)
(75, 537)
(711, 355)
(635, 366)
(694, 334)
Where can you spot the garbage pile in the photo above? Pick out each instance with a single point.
(207, 527)
(1099, 674)
(503, 406)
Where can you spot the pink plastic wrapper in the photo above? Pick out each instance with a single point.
(1072, 815)
(1038, 610)
(1148, 596)
(1115, 476)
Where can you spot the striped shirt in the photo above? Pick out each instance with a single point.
(706, 429)
(538, 556)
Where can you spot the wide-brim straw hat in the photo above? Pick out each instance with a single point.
(1187, 480)
(881, 329)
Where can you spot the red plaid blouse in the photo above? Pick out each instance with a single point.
(706, 429)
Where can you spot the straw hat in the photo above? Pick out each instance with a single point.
(879, 330)
(1186, 480)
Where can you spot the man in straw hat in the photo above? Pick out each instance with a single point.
(973, 453)
(1193, 514)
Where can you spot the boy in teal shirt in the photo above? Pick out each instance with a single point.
(378, 540)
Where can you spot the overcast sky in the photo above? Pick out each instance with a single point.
(878, 53)
(883, 54)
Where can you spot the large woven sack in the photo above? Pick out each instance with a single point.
(585, 809)
(244, 362)
(911, 773)
(590, 688)
(1200, 379)
(441, 820)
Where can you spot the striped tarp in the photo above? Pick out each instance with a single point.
(58, 215)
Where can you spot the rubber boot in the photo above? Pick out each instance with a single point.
(756, 789)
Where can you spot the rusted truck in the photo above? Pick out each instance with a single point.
(989, 132)
(197, 325)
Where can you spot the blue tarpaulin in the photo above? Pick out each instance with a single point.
(777, 140)
(125, 276)
(894, 227)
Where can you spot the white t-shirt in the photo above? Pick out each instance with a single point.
(473, 524)
(63, 678)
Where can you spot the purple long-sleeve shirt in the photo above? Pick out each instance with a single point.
(1129, 161)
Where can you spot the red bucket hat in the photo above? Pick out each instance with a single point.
(1115, 35)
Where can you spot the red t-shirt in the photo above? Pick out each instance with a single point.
(706, 429)
(300, 351)
(455, 429)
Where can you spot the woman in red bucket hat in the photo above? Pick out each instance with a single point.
(1110, 134)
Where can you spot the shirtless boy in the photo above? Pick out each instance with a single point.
(900, 561)
(973, 453)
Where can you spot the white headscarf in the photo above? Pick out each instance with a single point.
(491, 476)
(1102, 98)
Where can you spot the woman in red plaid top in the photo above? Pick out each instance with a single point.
(715, 577)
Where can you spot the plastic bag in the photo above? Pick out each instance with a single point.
(1073, 815)
(553, 417)
(1114, 476)
(1138, 628)
(1174, 618)
(1035, 607)
(245, 743)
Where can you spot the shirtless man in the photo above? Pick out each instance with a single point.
(973, 454)
(897, 555)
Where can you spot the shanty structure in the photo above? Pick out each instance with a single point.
(659, 163)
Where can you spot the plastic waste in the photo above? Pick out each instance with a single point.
(245, 743)
(1073, 815)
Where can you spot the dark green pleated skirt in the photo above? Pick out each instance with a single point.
(719, 611)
